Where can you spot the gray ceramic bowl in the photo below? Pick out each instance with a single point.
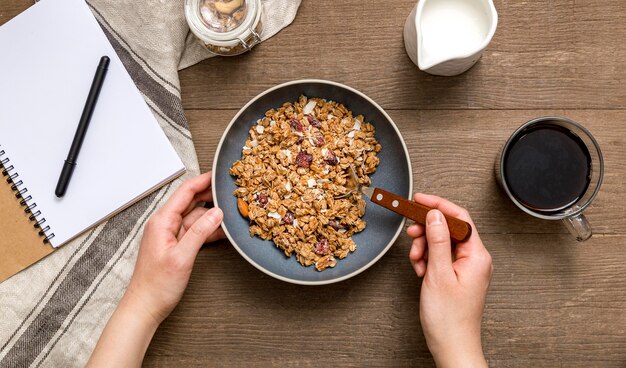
(393, 174)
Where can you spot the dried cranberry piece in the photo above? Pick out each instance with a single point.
(313, 121)
(288, 218)
(296, 125)
(262, 199)
(322, 247)
(330, 158)
(304, 159)
(334, 224)
(319, 140)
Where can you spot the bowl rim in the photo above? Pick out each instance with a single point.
(214, 180)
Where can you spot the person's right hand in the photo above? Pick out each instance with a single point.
(454, 288)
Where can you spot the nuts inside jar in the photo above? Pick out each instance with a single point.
(223, 15)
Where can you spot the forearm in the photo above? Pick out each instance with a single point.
(126, 337)
(467, 355)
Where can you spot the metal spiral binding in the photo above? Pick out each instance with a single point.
(26, 200)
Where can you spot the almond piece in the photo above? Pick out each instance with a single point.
(243, 207)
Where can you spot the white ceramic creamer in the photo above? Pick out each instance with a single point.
(447, 37)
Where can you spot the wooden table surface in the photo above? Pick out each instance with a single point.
(552, 302)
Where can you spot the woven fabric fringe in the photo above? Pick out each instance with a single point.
(52, 314)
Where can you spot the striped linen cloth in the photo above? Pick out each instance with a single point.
(52, 314)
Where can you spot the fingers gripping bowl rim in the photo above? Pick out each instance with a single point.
(383, 226)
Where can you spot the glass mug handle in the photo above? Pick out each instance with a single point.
(578, 226)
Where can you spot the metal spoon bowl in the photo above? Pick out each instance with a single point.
(352, 184)
(460, 230)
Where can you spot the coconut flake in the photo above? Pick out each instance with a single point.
(295, 222)
(254, 143)
(311, 182)
(287, 153)
(309, 107)
(324, 152)
(359, 158)
(351, 134)
(357, 125)
(288, 186)
(329, 117)
(246, 148)
(275, 215)
(272, 123)
(342, 230)
(260, 129)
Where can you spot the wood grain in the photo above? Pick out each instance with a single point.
(549, 305)
(545, 54)
(444, 143)
(460, 230)
(552, 302)
(11, 8)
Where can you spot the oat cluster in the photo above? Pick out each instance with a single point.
(294, 163)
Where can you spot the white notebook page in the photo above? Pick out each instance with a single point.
(48, 57)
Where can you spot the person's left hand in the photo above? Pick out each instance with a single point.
(171, 240)
(170, 244)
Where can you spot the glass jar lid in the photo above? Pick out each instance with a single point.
(222, 22)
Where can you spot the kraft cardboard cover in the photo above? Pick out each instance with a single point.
(20, 243)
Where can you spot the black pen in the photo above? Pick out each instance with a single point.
(90, 105)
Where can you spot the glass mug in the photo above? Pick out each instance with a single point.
(552, 169)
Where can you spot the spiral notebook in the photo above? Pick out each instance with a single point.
(48, 57)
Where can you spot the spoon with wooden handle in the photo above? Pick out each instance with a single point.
(460, 230)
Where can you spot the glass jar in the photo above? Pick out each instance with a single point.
(225, 27)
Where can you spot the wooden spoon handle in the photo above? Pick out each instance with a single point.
(460, 230)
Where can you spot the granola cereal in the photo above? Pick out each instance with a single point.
(294, 163)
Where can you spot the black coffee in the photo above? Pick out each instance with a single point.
(547, 168)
